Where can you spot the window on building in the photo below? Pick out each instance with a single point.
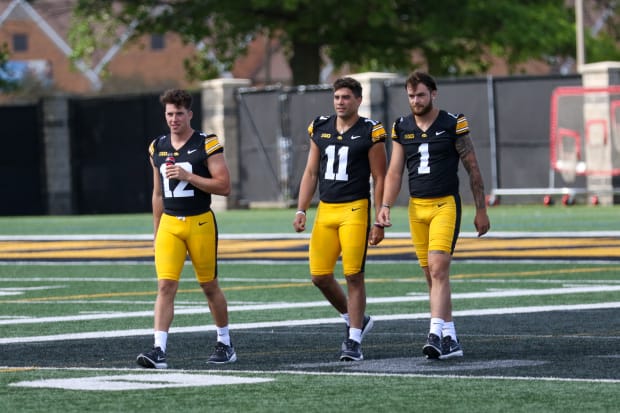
(20, 42)
(158, 42)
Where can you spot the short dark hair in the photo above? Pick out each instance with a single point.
(177, 97)
(350, 83)
(418, 77)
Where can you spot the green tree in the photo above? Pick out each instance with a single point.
(603, 38)
(451, 37)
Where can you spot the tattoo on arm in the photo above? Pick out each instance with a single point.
(465, 148)
(464, 145)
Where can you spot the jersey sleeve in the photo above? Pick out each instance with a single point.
(212, 145)
(378, 133)
(152, 149)
(311, 129)
(462, 126)
(395, 126)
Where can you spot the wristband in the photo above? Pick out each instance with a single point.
(385, 206)
(300, 212)
(379, 225)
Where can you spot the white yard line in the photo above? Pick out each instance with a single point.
(140, 372)
(310, 304)
(289, 323)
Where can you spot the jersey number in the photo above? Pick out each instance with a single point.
(180, 190)
(424, 157)
(341, 173)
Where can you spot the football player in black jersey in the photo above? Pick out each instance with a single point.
(430, 142)
(345, 151)
(188, 166)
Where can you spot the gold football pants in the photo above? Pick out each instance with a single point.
(179, 236)
(434, 225)
(339, 228)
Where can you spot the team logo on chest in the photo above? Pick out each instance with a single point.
(164, 154)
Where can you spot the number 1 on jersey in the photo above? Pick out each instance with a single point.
(424, 168)
(343, 158)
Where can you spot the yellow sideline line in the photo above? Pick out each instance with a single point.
(17, 369)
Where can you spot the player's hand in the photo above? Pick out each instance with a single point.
(383, 217)
(481, 222)
(377, 233)
(299, 223)
(176, 172)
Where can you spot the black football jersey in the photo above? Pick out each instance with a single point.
(431, 157)
(344, 170)
(180, 197)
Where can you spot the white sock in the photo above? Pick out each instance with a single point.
(223, 335)
(345, 317)
(449, 330)
(355, 334)
(161, 337)
(436, 326)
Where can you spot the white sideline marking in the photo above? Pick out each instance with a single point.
(425, 376)
(145, 381)
(312, 304)
(21, 290)
(333, 373)
(293, 323)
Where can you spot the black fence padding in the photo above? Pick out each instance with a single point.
(23, 182)
(110, 138)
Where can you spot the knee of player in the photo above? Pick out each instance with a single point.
(355, 278)
(322, 280)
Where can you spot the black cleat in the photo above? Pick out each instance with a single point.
(432, 348)
(450, 348)
(351, 351)
(223, 354)
(153, 359)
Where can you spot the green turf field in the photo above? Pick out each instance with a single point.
(503, 218)
(538, 335)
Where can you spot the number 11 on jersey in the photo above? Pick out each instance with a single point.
(341, 173)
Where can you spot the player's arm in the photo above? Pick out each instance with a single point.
(378, 165)
(465, 147)
(393, 180)
(219, 181)
(157, 199)
(307, 186)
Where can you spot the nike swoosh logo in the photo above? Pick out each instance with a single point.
(191, 151)
(202, 223)
(440, 133)
(354, 209)
(355, 137)
(440, 205)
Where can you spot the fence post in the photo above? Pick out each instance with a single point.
(57, 149)
(599, 139)
(219, 116)
(373, 102)
(373, 93)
